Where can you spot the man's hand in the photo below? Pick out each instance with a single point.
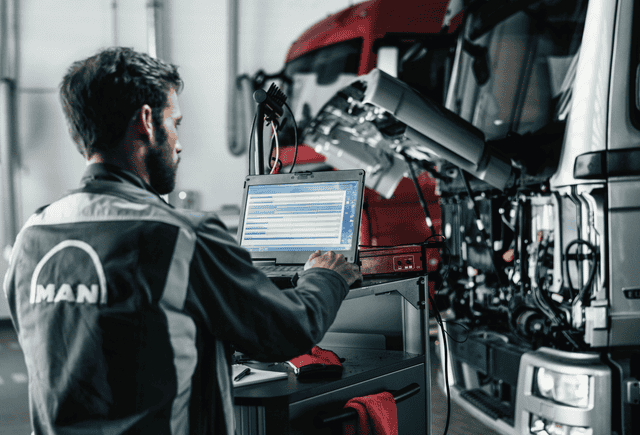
(336, 262)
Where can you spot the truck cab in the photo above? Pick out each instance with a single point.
(544, 290)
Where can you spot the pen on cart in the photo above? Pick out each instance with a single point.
(242, 374)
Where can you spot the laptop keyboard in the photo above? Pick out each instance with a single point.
(274, 268)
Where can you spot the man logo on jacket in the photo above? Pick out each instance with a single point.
(84, 293)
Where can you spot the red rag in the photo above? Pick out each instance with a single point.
(377, 415)
(316, 356)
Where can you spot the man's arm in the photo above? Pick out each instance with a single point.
(239, 304)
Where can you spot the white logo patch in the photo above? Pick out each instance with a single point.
(90, 293)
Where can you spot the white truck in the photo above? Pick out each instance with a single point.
(536, 152)
(547, 282)
(542, 239)
(537, 155)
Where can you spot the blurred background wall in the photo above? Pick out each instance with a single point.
(41, 38)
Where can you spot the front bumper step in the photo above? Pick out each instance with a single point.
(491, 406)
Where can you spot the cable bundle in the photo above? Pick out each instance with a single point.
(270, 105)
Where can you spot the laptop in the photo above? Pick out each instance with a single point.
(284, 218)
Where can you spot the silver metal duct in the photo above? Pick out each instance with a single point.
(236, 107)
(8, 119)
(437, 129)
(158, 43)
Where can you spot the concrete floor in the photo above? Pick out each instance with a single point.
(14, 406)
(14, 409)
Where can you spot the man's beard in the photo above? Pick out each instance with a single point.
(160, 166)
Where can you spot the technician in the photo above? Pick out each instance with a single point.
(125, 307)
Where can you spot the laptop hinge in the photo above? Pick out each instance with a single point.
(263, 262)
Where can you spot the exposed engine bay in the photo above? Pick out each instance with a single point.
(506, 260)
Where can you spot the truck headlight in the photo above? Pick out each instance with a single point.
(540, 426)
(572, 390)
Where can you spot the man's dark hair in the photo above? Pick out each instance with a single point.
(101, 94)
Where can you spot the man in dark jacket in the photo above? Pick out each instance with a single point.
(125, 307)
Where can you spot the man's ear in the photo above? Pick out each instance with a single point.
(144, 123)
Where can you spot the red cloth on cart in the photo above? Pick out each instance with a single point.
(316, 356)
(377, 415)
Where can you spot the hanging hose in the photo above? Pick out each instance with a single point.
(582, 292)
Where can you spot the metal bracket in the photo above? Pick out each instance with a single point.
(633, 391)
(408, 288)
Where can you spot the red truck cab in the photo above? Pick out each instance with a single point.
(408, 40)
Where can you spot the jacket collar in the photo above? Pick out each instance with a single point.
(110, 172)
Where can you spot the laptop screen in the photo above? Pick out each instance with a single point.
(301, 215)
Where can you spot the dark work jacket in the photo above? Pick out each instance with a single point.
(125, 308)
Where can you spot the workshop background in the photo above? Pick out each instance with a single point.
(41, 38)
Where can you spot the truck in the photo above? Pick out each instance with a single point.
(331, 54)
(534, 154)
(542, 274)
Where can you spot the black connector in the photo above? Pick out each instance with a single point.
(272, 100)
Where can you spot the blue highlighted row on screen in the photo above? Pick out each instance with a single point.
(304, 188)
(297, 248)
(285, 208)
(288, 238)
